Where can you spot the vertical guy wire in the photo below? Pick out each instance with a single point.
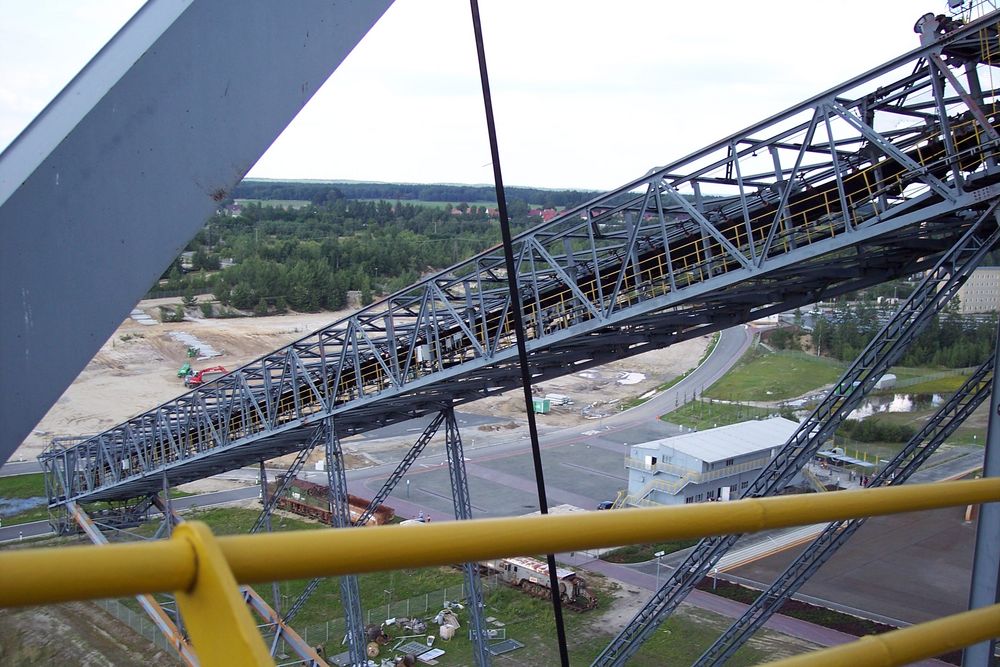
(515, 303)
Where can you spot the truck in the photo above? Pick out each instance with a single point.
(204, 375)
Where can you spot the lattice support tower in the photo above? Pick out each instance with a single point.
(463, 512)
(340, 517)
(888, 346)
(907, 461)
(404, 465)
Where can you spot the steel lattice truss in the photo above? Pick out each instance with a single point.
(870, 180)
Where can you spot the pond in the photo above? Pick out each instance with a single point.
(896, 403)
(12, 506)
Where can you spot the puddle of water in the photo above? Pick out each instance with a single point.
(896, 403)
(12, 506)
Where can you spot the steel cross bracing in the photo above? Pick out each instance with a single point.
(375, 503)
(340, 517)
(915, 453)
(851, 188)
(463, 512)
(930, 297)
(156, 613)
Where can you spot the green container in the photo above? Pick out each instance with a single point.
(541, 406)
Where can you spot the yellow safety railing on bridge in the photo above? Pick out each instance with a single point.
(204, 571)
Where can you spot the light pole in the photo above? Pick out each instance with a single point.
(659, 555)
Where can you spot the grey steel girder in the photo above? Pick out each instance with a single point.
(106, 186)
(907, 461)
(930, 297)
(463, 512)
(640, 254)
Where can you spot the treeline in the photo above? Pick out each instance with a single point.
(327, 192)
(308, 259)
(950, 340)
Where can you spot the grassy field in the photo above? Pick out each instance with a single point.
(24, 486)
(703, 414)
(774, 377)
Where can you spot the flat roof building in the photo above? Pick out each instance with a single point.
(717, 464)
(981, 292)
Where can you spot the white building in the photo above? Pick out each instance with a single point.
(717, 464)
(981, 292)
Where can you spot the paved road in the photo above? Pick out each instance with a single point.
(19, 468)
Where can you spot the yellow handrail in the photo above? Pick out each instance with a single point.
(41, 576)
(907, 645)
(202, 569)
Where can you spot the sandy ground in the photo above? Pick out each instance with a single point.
(135, 370)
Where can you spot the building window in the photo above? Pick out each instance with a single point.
(745, 484)
(688, 500)
(711, 495)
(729, 462)
(697, 498)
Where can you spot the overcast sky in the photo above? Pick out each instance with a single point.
(588, 94)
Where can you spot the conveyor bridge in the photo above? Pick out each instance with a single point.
(868, 181)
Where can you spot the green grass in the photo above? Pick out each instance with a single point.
(24, 486)
(526, 619)
(640, 553)
(774, 377)
(703, 414)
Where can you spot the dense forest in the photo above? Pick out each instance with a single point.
(308, 258)
(319, 192)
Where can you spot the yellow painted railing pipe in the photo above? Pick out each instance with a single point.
(41, 576)
(908, 645)
(301, 554)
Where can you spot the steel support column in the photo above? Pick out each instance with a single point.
(463, 512)
(986, 561)
(340, 517)
(275, 590)
(376, 502)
